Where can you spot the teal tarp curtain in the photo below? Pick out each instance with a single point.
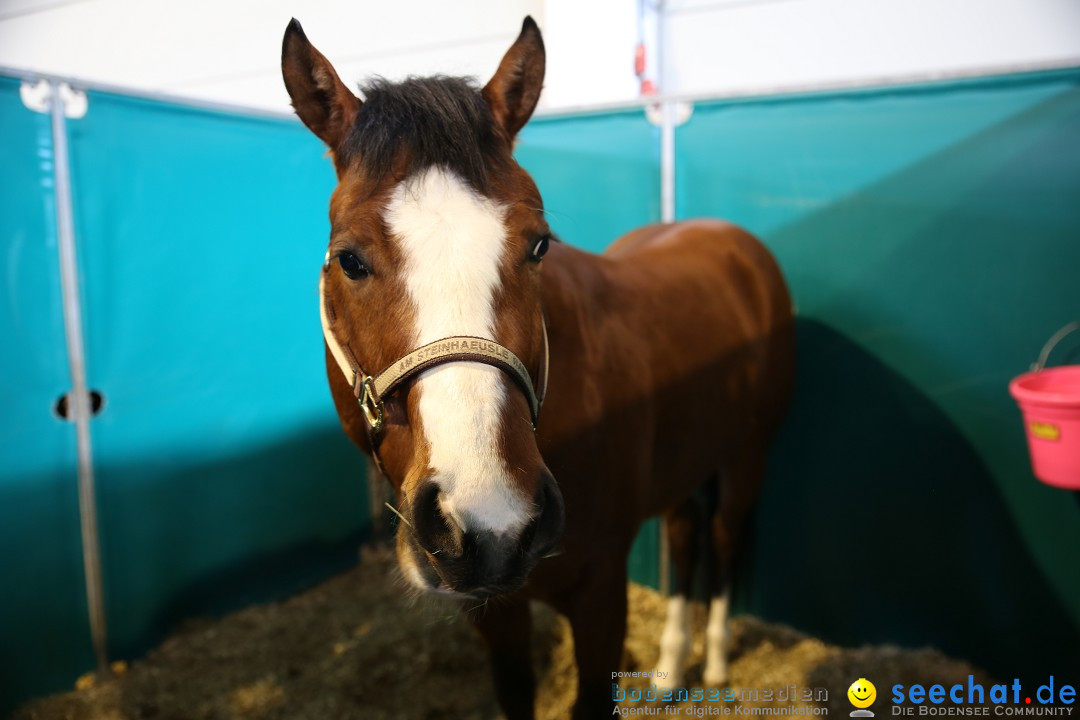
(930, 236)
(222, 475)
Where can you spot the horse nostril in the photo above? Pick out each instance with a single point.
(548, 528)
(435, 532)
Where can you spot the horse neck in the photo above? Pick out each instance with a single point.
(576, 287)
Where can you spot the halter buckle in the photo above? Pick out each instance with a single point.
(372, 408)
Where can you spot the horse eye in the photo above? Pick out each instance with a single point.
(540, 247)
(352, 267)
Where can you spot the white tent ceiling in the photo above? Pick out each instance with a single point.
(228, 50)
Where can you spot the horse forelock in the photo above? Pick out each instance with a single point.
(405, 127)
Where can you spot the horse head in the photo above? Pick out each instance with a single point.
(438, 234)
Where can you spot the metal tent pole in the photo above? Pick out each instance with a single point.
(79, 397)
(667, 162)
(667, 214)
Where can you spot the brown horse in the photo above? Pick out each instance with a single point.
(670, 360)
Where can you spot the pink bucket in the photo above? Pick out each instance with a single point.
(1050, 403)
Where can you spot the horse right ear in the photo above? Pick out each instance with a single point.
(321, 100)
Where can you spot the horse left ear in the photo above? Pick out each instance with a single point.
(514, 90)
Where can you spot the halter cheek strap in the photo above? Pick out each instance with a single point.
(371, 389)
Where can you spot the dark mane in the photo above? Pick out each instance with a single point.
(436, 120)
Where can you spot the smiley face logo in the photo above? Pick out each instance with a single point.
(862, 693)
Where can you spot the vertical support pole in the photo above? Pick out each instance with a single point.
(663, 87)
(79, 398)
(667, 161)
(667, 214)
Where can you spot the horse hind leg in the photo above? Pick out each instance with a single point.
(737, 490)
(681, 526)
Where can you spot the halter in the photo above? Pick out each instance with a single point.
(370, 390)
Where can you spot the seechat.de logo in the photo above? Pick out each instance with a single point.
(1052, 698)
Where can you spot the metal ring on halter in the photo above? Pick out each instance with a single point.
(372, 408)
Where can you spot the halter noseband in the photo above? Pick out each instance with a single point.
(371, 389)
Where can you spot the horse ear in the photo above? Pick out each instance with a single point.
(514, 90)
(321, 100)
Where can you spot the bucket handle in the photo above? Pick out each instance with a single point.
(1053, 341)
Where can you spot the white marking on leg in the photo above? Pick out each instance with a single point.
(452, 240)
(716, 670)
(674, 644)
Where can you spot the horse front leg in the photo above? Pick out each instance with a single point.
(506, 627)
(598, 620)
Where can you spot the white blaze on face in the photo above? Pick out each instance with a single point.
(452, 240)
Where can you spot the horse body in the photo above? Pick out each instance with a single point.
(673, 354)
(670, 357)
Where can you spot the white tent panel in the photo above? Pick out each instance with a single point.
(228, 50)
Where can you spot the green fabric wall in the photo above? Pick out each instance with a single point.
(223, 477)
(200, 237)
(599, 176)
(931, 238)
(44, 634)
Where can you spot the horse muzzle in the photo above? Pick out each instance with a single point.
(440, 555)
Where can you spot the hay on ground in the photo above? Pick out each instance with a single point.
(355, 647)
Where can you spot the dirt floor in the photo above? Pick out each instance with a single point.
(355, 647)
